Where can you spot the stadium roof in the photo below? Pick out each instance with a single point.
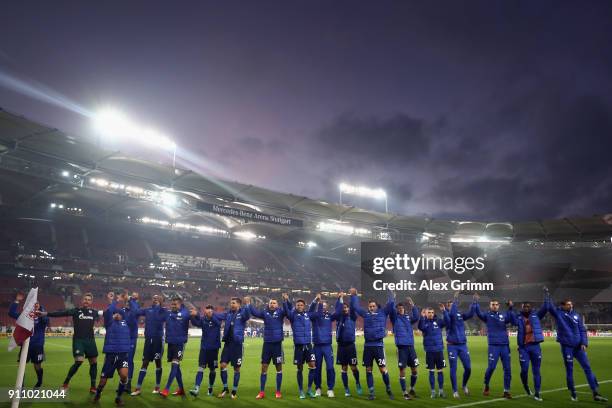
(42, 155)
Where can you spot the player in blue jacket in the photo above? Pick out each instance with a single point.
(272, 351)
(233, 337)
(529, 336)
(322, 338)
(155, 319)
(116, 346)
(456, 344)
(375, 330)
(36, 350)
(497, 338)
(572, 336)
(404, 341)
(210, 344)
(131, 317)
(177, 329)
(301, 326)
(431, 327)
(345, 338)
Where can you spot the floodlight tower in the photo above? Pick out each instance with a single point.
(362, 191)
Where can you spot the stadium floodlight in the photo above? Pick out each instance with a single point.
(168, 199)
(113, 124)
(248, 235)
(341, 228)
(363, 191)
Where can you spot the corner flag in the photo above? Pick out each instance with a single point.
(25, 323)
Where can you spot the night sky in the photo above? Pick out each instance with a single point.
(477, 110)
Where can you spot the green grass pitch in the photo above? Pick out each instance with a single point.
(59, 359)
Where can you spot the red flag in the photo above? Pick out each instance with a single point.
(25, 323)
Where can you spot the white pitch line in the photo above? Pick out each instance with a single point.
(471, 404)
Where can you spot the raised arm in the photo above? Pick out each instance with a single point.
(195, 318)
(355, 303)
(477, 312)
(337, 310)
(422, 321)
(544, 308)
(455, 309)
(254, 311)
(288, 310)
(390, 306)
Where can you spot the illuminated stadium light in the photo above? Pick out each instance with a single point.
(248, 235)
(168, 199)
(340, 228)
(483, 240)
(65, 173)
(53, 205)
(199, 228)
(363, 191)
(147, 220)
(113, 124)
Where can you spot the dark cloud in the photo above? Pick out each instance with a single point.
(479, 110)
(392, 140)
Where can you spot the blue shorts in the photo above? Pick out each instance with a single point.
(112, 362)
(303, 354)
(208, 358)
(435, 360)
(36, 354)
(272, 352)
(232, 354)
(372, 354)
(407, 357)
(347, 354)
(153, 349)
(175, 352)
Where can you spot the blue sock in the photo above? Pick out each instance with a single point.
(130, 369)
(331, 378)
(413, 379)
(300, 379)
(467, 371)
(279, 380)
(173, 369)
(344, 376)
(158, 376)
(453, 376)
(403, 383)
(224, 377)
(370, 381)
(385, 377)
(432, 381)
(262, 381)
(356, 375)
(199, 377)
(141, 377)
(311, 377)
(236, 380)
(212, 375)
(179, 377)
(120, 388)
(440, 380)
